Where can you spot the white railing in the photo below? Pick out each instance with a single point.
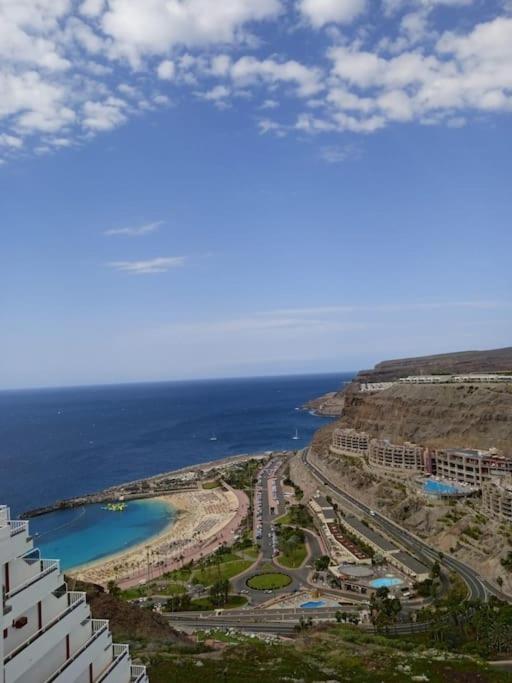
(99, 626)
(74, 600)
(137, 673)
(46, 567)
(120, 653)
(17, 526)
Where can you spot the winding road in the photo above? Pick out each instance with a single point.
(478, 587)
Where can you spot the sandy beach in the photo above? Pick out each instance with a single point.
(204, 520)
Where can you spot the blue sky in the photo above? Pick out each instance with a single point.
(196, 189)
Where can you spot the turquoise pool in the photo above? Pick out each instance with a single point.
(439, 488)
(313, 604)
(385, 581)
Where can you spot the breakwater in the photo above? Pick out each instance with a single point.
(175, 481)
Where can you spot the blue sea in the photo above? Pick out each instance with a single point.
(59, 443)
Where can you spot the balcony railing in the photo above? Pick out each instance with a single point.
(17, 526)
(99, 626)
(137, 673)
(74, 600)
(120, 653)
(46, 567)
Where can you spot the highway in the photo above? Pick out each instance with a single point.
(478, 588)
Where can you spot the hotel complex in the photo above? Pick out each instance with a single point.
(48, 633)
(497, 499)
(478, 469)
(392, 456)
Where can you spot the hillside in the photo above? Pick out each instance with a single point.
(477, 416)
(494, 360)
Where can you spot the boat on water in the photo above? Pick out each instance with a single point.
(295, 437)
(115, 507)
(213, 437)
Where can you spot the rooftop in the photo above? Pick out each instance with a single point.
(371, 535)
(411, 562)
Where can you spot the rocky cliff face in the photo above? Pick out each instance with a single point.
(495, 360)
(473, 416)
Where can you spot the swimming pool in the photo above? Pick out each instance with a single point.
(439, 488)
(313, 604)
(385, 581)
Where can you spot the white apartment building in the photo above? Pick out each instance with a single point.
(47, 633)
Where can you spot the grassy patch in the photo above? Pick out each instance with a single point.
(252, 553)
(269, 581)
(211, 485)
(295, 557)
(225, 570)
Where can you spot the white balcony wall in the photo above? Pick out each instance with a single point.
(96, 651)
(44, 668)
(16, 636)
(43, 644)
(42, 584)
(19, 543)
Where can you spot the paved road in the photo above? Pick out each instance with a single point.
(478, 587)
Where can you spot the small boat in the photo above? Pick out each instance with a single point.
(213, 437)
(295, 437)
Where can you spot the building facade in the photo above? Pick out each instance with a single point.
(470, 466)
(47, 632)
(390, 456)
(497, 498)
(350, 442)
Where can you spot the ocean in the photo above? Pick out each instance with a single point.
(59, 443)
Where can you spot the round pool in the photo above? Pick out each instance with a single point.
(385, 581)
(313, 604)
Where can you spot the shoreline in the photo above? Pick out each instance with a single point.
(86, 566)
(205, 520)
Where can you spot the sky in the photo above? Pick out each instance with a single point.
(195, 189)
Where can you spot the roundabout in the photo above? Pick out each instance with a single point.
(269, 581)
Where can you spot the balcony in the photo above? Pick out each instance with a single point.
(98, 628)
(138, 674)
(120, 653)
(18, 526)
(43, 639)
(45, 577)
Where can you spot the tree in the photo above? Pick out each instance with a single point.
(113, 588)
(322, 563)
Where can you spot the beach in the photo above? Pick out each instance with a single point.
(204, 520)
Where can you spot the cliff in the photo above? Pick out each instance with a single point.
(494, 360)
(473, 416)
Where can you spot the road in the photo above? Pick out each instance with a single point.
(479, 588)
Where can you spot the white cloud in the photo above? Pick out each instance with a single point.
(321, 12)
(161, 264)
(138, 231)
(145, 28)
(104, 115)
(10, 141)
(249, 70)
(72, 69)
(166, 70)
